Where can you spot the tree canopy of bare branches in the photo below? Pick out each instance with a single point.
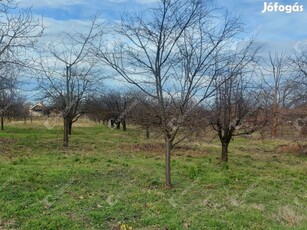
(171, 55)
(8, 90)
(19, 32)
(67, 74)
(277, 86)
(233, 104)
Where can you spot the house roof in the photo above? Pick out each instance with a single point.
(39, 105)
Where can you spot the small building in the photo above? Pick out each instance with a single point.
(37, 110)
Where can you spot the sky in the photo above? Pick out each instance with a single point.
(278, 29)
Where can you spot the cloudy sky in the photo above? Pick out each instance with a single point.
(279, 29)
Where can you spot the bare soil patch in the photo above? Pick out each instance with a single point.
(6, 141)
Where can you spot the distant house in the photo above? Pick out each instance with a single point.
(37, 110)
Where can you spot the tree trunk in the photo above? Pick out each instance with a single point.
(168, 146)
(69, 126)
(147, 132)
(66, 132)
(2, 122)
(124, 125)
(225, 152)
(112, 121)
(275, 117)
(118, 125)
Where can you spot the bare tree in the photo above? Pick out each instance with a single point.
(8, 88)
(118, 105)
(18, 33)
(66, 73)
(278, 86)
(96, 109)
(170, 55)
(299, 65)
(233, 104)
(145, 114)
(18, 109)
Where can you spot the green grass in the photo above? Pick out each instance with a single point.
(108, 177)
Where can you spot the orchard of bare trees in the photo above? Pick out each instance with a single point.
(186, 70)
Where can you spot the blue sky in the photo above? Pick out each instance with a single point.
(280, 30)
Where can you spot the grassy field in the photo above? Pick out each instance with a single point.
(110, 179)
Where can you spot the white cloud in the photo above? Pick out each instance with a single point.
(54, 27)
(147, 1)
(138, 1)
(63, 3)
(50, 3)
(117, 1)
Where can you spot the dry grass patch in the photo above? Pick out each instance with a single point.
(287, 216)
(295, 149)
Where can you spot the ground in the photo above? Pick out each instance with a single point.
(110, 179)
